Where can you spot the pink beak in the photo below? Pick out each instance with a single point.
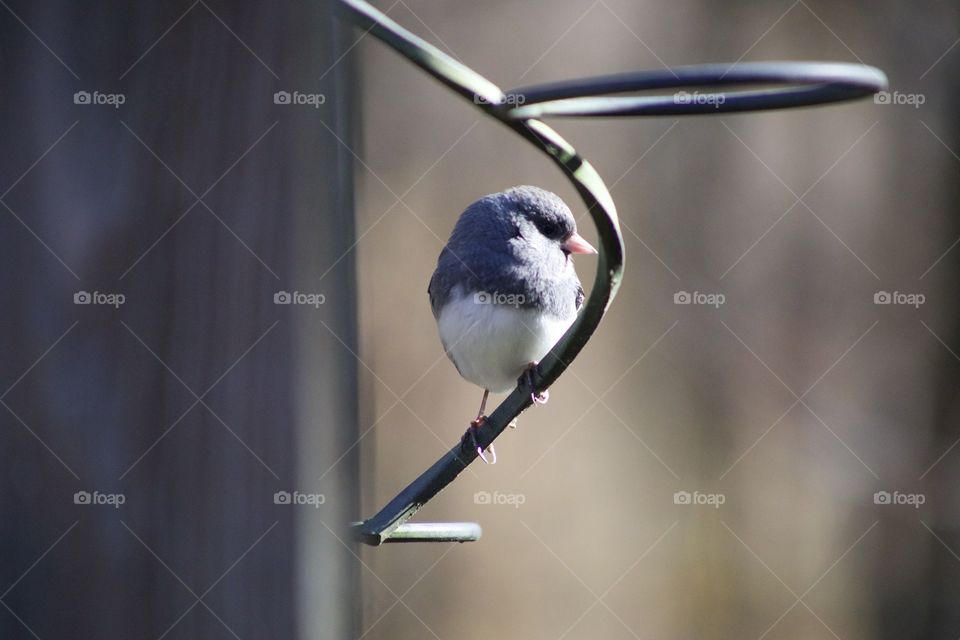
(576, 244)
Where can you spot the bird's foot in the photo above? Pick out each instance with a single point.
(513, 424)
(536, 398)
(470, 440)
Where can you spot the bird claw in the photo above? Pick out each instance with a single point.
(471, 437)
(493, 454)
(536, 398)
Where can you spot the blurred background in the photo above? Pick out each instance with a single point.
(793, 402)
(775, 459)
(176, 368)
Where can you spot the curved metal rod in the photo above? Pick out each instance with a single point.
(491, 100)
(808, 83)
(830, 82)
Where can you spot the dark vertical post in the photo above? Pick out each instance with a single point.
(160, 201)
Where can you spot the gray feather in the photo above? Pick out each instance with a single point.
(499, 246)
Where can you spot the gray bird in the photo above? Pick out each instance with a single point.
(505, 289)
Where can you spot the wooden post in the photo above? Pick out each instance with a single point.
(160, 197)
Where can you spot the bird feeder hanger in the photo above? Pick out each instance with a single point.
(760, 86)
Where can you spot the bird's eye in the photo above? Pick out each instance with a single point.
(550, 229)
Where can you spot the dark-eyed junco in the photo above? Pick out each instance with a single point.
(505, 289)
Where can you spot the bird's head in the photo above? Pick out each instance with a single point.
(543, 221)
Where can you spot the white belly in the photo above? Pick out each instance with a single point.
(492, 344)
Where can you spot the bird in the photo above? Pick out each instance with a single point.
(505, 290)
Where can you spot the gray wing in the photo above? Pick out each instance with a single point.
(439, 287)
(432, 294)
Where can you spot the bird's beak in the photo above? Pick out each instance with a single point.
(576, 244)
